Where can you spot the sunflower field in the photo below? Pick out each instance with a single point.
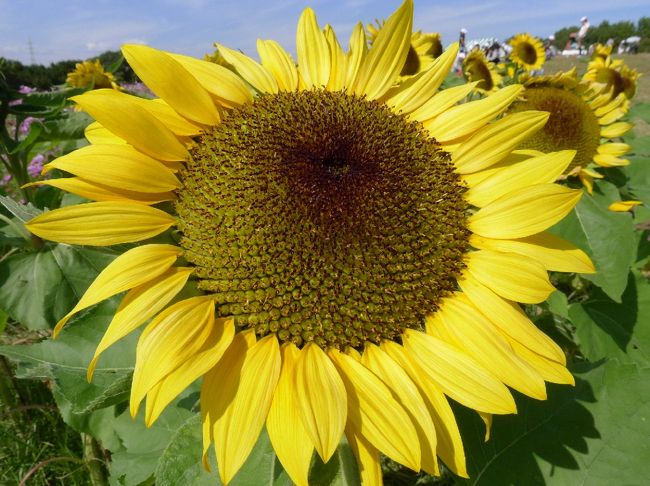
(376, 261)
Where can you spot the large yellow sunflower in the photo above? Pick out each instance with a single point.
(613, 77)
(424, 48)
(90, 73)
(361, 246)
(582, 118)
(478, 69)
(527, 52)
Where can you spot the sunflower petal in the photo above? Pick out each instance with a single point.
(140, 304)
(441, 102)
(367, 457)
(192, 368)
(119, 166)
(407, 394)
(458, 375)
(97, 134)
(536, 170)
(337, 61)
(554, 253)
(357, 52)
(615, 149)
(376, 414)
(386, 57)
(524, 212)
(279, 63)
(607, 160)
(254, 73)
(550, 370)
(449, 442)
(321, 399)
(497, 140)
(512, 276)
(100, 223)
(119, 114)
(462, 120)
(170, 80)
(290, 440)
(472, 332)
(229, 89)
(615, 129)
(244, 401)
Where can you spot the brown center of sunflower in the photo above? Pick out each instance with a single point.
(572, 124)
(526, 52)
(322, 217)
(612, 79)
(479, 71)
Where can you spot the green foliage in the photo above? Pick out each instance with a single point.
(604, 31)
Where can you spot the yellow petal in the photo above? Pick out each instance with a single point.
(357, 52)
(510, 319)
(411, 95)
(386, 57)
(487, 420)
(587, 181)
(290, 440)
(524, 212)
(407, 394)
(615, 129)
(367, 458)
(608, 160)
(376, 414)
(449, 442)
(170, 80)
(512, 276)
(550, 370)
(513, 158)
(623, 206)
(279, 63)
(462, 120)
(170, 118)
(441, 102)
(118, 166)
(95, 133)
(497, 140)
(615, 149)
(129, 270)
(611, 117)
(554, 253)
(313, 51)
(321, 398)
(100, 223)
(536, 170)
(458, 375)
(119, 114)
(190, 369)
(139, 305)
(338, 61)
(99, 192)
(229, 89)
(472, 332)
(245, 394)
(253, 72)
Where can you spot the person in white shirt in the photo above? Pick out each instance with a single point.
(582, 33)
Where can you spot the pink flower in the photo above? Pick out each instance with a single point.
(35, 166)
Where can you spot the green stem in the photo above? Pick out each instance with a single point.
(20, 230)
(94, 461)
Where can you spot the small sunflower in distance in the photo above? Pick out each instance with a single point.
(424, 48)
(477, 69)
(91, 73)
(582, 118)
(527, 52)
(361, 244)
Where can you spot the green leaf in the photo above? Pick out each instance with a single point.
(340, 470)
(4, 317)
(26, 109)
(24, 212)
(607, 237)
(52, 98)
(606, 329)
(640, 110)
(638, 173)
(65, 361)
(35, 130)
(593, 434)
(39, 288)
(70, 126)
(640, 146)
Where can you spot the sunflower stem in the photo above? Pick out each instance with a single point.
(94, 460)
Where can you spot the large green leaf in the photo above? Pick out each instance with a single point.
(607, 237)
(596, 434)
(606, 329)
(38, 288)
(638, 173)
(340, 470)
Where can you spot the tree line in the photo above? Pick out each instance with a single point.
(605, 30)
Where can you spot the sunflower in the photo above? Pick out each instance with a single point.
(360, 246)
(478, 69)
(527, 52)
(613, 77)
(424, 48)
(601, 51)
(581, 118)
(90, 74)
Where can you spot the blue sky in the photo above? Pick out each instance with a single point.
(80, 29)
